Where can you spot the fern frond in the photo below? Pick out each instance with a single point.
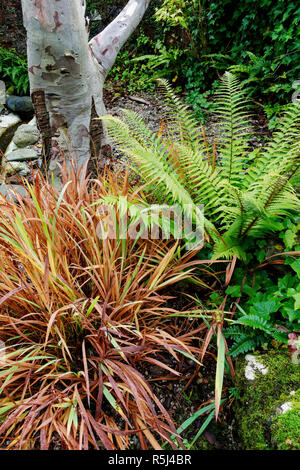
(245, 344)
(279, 336)
(203, 183)
(282, 153)
(239, 68)
(181, 122)
(243, 194)
(234, 128)
(278, 198)
(256, 322)
(152, 161)
(233, 331)
(229, 243)
(141, 132)
(154, 164)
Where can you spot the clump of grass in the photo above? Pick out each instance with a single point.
(79, 317)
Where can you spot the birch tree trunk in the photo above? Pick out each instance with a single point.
(67, 72)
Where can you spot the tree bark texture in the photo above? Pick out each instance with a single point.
(67, 72)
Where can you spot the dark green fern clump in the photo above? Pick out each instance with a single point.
(244, 193)
(13, 70)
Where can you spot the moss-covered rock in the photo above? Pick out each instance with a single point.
(285, 427)
(268, 411)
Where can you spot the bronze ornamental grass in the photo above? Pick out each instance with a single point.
(79, 317)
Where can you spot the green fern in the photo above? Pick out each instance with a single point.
(244, 194)
(13, 69)
(246, 343)
(256, 322)
(234, 128)
(250, 331)
(244, 340)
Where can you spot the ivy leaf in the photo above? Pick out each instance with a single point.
(289, 238)
(297, 302)
(295, 265)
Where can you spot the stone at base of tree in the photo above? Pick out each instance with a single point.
(26, 135)
(19, 104)
(21, 155)
(8, 120)
(11, 147)
(8, 191)
(268, 410)
(8, 125)
(11, 168)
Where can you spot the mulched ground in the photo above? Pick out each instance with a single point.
(12, 31)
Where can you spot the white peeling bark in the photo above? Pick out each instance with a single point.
(68, 72)
(107, 44)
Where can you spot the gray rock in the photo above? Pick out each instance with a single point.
(8, 191)
(8, 125)
(26, 135)
(284, 407)
(21, 155)
(32, 122)
(12, 146)
(9, 120)
(19, 104)
(254, 366)
(11, 168)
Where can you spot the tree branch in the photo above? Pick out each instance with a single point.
(107, 44)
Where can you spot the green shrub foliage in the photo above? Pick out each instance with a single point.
(13, 70)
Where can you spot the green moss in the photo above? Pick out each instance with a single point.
(285, 428)
(260, 427)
